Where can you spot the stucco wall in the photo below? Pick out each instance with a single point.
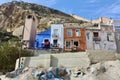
(70, 60)
(31, 23)
(60, 34)
(104, 43)
(116, 24)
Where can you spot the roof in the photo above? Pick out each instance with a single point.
(46, 32)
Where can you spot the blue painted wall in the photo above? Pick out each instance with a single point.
(40, 38)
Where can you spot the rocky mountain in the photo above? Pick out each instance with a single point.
(79, 18)
(12, 15)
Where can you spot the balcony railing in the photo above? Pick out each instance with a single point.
(54, 46)
(96, 39)
(55, 35)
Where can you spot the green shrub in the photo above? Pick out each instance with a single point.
(9, 52)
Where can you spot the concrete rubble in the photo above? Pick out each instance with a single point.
(25, 73)
(105, 70)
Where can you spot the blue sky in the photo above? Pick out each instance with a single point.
(90, 9)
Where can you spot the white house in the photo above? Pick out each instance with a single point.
(57, 37)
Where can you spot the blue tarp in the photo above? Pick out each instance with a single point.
(41, 37)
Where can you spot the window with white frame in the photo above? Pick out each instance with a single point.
(77, 31)
(69, 32)
(67, 44)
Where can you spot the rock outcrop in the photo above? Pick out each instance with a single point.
(12, 15)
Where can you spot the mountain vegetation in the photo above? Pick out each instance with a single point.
(12, 15)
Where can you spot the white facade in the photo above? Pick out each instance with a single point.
(57, 37)
(101, 38)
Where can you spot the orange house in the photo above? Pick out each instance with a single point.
(74, 39)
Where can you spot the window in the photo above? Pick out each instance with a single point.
(55, 42)
(46, 40)
(55, 31)
(75, 43)
(110, 37)
(70, 32)
(95, 34)
(29, 16)
(88, 35)
(67, 44)
(77, 32)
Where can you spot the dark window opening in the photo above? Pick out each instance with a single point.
(95, 34)
(46, 40)
(55, 42)
(29, 16)
(46, 44)
(76, 43)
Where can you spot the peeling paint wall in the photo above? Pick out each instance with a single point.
(105, 39)
(116, 24)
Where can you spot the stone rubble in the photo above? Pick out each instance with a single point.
(105, 70)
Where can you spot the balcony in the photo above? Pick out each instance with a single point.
(96, 39)
(55, 35)
(55, 46)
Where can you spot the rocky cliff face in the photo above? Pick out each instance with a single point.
(12, 15)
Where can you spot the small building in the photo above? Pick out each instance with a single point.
(116, 25)
(43, 40)
(57, 36)
(100, 37)
(29, 30)
(74, 37)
